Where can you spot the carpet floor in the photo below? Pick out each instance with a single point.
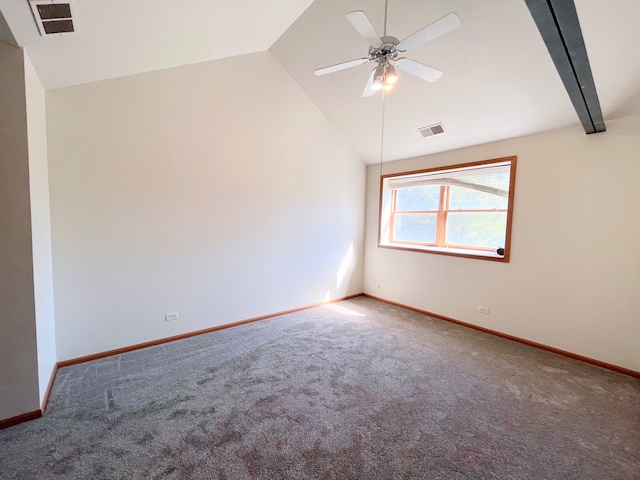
(355, 390)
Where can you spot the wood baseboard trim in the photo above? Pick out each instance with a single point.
(25, 417)
(138, 346)
(45, 399)
(10, 422)
(575, 356)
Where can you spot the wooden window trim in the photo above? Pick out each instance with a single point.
(442, 215)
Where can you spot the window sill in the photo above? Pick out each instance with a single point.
(455, 252)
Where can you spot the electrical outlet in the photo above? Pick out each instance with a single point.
(171, 316)
(483, 309)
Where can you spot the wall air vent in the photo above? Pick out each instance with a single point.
(53, 16)
(431, 130)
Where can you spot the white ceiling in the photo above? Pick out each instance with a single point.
(115, 38)
(499, 81)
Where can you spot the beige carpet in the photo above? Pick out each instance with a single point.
(358, 390)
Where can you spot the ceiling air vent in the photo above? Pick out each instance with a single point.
(53, 16)
(431, 130)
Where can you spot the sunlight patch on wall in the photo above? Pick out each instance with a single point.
(327, 297)
(344, 267)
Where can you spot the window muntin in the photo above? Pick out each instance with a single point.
(460, 210)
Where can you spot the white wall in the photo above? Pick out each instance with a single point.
(18, 360)
(573, 280)
(40, 226)
(216, 190)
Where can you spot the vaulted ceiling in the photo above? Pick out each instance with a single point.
(114, 38)
(499, 80)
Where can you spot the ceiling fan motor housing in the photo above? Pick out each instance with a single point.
(386, 50)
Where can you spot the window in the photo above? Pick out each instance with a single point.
(463, 210)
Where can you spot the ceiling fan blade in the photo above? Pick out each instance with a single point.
(439, 27)
(361, 23)
(368, 89)
(418, 69)
(341, 66)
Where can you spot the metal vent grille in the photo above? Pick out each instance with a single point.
(53, 16)
(431, 130)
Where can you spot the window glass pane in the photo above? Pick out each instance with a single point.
(426, 197)
(471, 199)
(477, 229)
(415, 228)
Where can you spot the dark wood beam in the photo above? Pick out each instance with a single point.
(559, 26)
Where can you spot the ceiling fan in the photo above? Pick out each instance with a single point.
(386, 50)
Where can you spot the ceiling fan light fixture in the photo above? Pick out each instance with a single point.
(379, 73)
(390, 77)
